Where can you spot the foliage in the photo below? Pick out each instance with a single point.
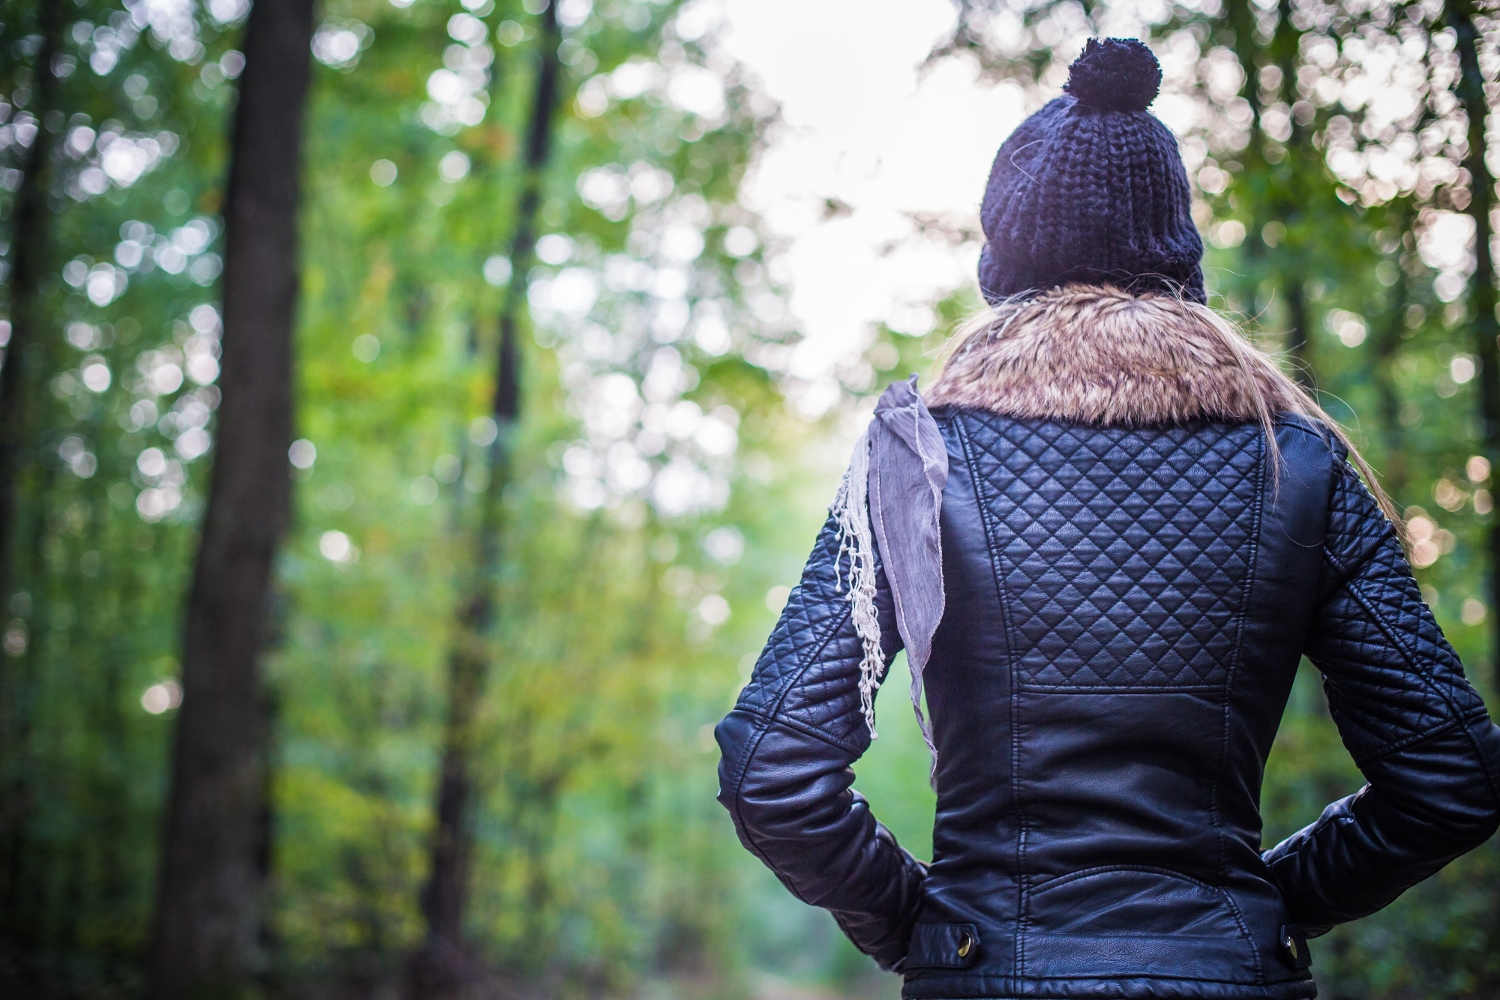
(664, 495)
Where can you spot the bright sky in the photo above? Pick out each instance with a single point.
(864, 128)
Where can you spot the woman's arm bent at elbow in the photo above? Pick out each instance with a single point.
(1414, 725)
(786, 776)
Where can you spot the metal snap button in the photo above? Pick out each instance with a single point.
(965, 945)
(1294, 949)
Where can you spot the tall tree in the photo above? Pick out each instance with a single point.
(1386, 352)
(1469, 88)
(29, 238)
(443, 963)
(211, 873)
(24, 370)
(1297, 163)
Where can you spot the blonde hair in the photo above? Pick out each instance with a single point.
(1155, 360)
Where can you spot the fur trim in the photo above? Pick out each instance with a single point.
(1101, 356)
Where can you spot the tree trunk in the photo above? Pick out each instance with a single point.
(20, 373)
(210, 881)
(1385, 348)
(443, 964)
(1293, 262)
(1296, 322)
(1469, 89)
(1239, 17)
(23, 369)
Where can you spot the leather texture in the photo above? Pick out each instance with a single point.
(1125, 613)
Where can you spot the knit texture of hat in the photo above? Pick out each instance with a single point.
(1092, 189)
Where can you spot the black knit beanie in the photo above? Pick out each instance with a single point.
(1092, 188)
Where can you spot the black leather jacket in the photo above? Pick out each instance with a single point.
(1126, 610)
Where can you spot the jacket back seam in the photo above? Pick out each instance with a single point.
(1246, 595)
(1018, 957)
(1239, 920)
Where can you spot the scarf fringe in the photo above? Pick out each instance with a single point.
(851, 513)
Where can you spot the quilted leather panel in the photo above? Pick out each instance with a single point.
(1124, 555)
(809, 670)
(807, 621)
(1391, 675)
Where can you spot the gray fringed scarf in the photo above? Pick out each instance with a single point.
(892, 497)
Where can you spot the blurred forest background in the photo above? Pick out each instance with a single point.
(527, 372)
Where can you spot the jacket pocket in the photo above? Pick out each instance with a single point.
(1114, 922)
(942, 946)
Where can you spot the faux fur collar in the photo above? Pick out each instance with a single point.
(1101, 356)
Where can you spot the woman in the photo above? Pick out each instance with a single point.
(1105, 548)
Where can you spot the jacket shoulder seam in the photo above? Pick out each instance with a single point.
(1348, 568)
(1297, 422)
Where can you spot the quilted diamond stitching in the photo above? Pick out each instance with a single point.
(1390, 674)
(808, 672)
(1124, 554)
(812, 611)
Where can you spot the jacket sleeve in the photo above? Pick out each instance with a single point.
(1415, 727)
(785, 774)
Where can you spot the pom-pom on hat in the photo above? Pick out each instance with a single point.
(1117, 74)
(1092, 189)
